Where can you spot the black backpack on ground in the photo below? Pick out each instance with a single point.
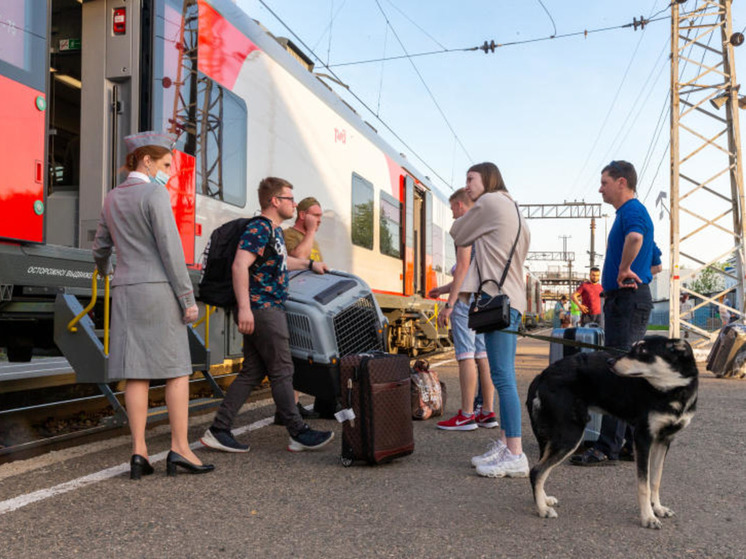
(216, 279)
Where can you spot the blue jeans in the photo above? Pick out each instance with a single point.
(501, 348)
(626, 314)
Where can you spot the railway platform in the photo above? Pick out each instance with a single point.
(79, 502)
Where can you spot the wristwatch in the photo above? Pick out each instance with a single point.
(447, 305)
(310, 264)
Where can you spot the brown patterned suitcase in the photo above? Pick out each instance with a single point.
(377, 388)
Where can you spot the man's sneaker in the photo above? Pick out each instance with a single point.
(308, 439)
(494, 451)
(486, 420)
(222, 439)
(506, 465)
(458, 422)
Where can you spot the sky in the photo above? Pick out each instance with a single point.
(551, 114)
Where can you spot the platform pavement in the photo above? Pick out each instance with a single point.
(273, 503)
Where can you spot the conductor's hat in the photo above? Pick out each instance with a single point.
(149, 138)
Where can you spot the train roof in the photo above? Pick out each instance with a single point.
(277, 50)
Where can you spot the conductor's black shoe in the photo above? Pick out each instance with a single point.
(175, 461)
(139, 466)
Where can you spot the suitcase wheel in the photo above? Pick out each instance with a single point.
(345, 461)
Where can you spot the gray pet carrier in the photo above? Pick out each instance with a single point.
(329, 316)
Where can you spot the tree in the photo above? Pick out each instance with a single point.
(709, 280)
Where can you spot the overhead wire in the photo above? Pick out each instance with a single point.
(424, 83)
(576, 182)
(357, 98)
(493, 46)
(550, 17)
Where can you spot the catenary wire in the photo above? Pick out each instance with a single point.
(554, 25)
(424, 83)
(357, 98)
(584, 32)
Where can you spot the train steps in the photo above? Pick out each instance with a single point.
(84, 350)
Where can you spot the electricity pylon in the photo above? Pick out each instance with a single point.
(707, 198)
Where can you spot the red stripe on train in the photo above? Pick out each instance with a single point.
(222, 48)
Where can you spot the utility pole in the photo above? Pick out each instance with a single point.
(593, 242)
(707, 196)
(568, 260)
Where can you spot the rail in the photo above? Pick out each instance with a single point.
(71, 326)
(209, 309)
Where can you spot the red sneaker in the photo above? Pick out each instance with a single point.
(458, 422)
(486, 420)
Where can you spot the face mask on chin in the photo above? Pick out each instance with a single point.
(160, 178)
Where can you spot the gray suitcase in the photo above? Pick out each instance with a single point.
(590, 334)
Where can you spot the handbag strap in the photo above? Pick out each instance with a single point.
(507, 264)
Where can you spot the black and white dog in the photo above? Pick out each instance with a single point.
(653, 387)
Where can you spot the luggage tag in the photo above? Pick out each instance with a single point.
(345, 415)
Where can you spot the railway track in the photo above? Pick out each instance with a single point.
(42, 409)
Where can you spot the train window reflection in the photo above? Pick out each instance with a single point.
(362, 212)
(390, 226)
(209, 120)
(450, 257)
(438, 256)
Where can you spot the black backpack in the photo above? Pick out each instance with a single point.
(216, 279)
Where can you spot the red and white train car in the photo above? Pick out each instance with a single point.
(76, 77)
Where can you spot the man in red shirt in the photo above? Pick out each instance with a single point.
(588, 298)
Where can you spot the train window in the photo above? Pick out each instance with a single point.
(23, 42)
(221, 152)
(390, 226)
(450, 256)
(438, 256)
(210, 120)
(362, 212)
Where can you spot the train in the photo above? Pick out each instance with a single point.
(78, 77)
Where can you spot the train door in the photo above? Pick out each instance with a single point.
(409, 235)
(63, 139)
(23, 62)
(417, 213)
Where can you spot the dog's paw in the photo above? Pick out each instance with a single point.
(652, 523)
(551, 501)
(663, 512)
(547, 512)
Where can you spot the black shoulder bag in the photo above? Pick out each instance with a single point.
(494, 312)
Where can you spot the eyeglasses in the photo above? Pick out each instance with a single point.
(286, 198)
(614, 165)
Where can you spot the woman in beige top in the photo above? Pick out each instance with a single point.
(492, 226)
(152, 298)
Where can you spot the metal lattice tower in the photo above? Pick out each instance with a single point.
(707, 198)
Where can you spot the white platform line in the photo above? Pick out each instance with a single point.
(22, 500)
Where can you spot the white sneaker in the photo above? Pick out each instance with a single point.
(506, 465)
(495, 449)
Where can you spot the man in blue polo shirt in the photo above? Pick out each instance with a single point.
(627, 271)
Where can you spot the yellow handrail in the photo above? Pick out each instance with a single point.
(206, 319)
(94, 293)
(106, 315)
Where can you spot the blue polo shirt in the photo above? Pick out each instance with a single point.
(631, 217)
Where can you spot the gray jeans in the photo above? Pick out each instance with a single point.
(265, 352)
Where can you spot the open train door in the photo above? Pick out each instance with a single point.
(23, 73)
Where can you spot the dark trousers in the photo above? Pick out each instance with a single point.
(265, 352)
(626, 314)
